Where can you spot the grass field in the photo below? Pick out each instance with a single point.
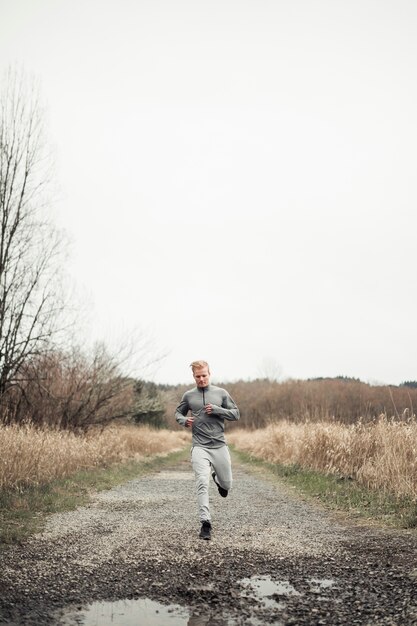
(378, 455)
(368, 469)
(34, 457)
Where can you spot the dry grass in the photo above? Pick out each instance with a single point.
(32, 457)
(379, 455)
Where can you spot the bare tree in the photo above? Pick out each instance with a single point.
(29, 245)
(78, 387)
(72, 389)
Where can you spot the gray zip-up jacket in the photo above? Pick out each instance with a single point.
(207, 430)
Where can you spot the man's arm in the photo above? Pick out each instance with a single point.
(228, 410)
(181, 412)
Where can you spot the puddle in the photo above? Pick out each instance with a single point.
(319, 584)
(142, 612)
(320, 587)
(269, 591)
(129, 613)
(263, 588)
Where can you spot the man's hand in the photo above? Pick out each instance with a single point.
(189, 421)
(209, 408)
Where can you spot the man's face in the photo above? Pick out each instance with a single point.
(202, 376)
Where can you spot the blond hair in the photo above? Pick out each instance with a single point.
(196, 365)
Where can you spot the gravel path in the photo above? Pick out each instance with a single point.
(273, 559)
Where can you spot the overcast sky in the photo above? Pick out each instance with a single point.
(238, 177)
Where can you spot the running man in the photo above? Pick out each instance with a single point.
(209, 406)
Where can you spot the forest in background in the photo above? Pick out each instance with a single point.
(343, 399)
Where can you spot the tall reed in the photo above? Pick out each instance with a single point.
(31, 456)
(380, 455)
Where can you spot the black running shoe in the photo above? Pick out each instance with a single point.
(205, 532)
(222, 492)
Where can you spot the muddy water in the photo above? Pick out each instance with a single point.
(261, 589)
(129, 613)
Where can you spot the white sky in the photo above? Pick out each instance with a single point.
(238, 177)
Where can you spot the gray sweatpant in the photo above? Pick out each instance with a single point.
(203, 459)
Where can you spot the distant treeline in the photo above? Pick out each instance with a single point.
(343, 399)
(74, 392)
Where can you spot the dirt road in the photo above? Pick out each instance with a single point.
(273, 559)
